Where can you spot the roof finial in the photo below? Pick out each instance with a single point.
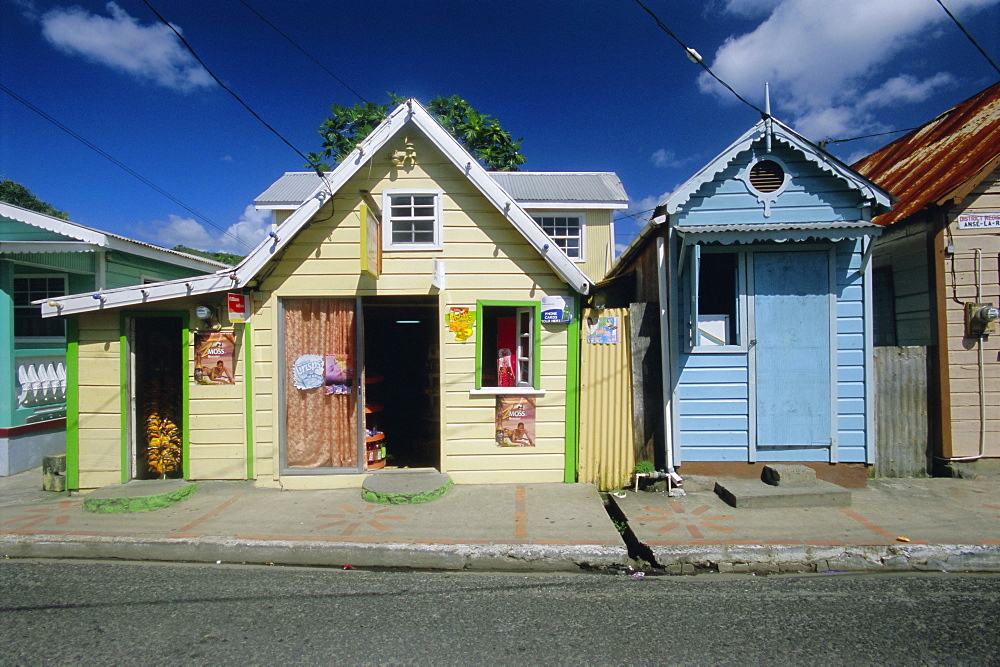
(767, 114)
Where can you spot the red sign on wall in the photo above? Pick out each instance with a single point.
(238, 307)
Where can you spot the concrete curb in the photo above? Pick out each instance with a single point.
(501, 557)
(772, 559)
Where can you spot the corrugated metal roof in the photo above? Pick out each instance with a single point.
(778, 227)
(96, 236)
(295, 187)
(528, 186)
(937, 161)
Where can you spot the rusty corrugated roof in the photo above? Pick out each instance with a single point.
(940, 160)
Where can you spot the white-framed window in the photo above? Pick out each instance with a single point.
(508, 345)
(566, 229)
(411, 219)
(28, 321)
(716, 302)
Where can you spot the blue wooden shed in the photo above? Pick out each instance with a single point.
(760, 268)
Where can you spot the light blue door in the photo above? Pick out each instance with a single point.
(792, 330)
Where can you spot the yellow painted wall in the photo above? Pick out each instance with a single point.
(100, 400)
(216, 414)
(596, 239)
(963, 353)
(485, 258)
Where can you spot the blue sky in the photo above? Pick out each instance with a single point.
(591, 85)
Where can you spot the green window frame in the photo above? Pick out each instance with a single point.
(528, 347)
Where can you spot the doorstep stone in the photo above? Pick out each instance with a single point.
(747, 493)
(787, 474)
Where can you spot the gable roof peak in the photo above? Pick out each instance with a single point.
(772, 131)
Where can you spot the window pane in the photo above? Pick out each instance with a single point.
(413, 219)
(717, 299)
(565, 230)
(506, 346)
(28, 317)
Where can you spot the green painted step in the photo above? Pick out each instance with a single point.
(138, 496)
(405, 488)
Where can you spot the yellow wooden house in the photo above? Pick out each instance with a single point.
(409, 311)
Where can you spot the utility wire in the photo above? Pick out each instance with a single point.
(825, 142)
(225, 87)
(304, 52)
(971, 38)
(695, 57)
(122, 166)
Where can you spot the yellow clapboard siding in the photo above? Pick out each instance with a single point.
(97, 479)
(100, 421)
(234, 438)
(99, 374)
(99, 400)
(511, 459)
(208, 450)
(506, 476)
(218, 469)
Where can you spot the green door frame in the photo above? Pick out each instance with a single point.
(123, 350)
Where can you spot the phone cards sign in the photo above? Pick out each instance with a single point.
(557, 310)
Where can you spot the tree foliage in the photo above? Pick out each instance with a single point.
(480, 133)
(224, 257)
(18, 195)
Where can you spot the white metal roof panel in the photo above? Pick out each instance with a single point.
(525, 187)
(529, 186)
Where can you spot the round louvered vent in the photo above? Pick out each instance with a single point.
(767, 176)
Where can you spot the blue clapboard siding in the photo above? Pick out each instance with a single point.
(851, 422)
(812, 195)
(714, 407)
(714, 397)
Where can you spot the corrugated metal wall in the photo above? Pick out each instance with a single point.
(902, 428)
(606, 450)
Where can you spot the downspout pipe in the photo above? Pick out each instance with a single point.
(665, 277)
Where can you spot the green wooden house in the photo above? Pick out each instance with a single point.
(42, 257)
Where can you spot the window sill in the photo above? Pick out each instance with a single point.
(507, 391)
(719, 349)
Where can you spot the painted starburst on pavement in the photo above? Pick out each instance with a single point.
(59, 515)
(677, 516)
(351, 519)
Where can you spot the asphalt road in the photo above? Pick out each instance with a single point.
(62, 612)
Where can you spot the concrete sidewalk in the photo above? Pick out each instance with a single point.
(502, 527)
(947, 524)
(893, 524)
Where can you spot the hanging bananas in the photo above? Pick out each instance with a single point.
(163, 438)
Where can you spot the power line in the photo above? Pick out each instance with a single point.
(224, 86)
(823, 144)
(696, 58)
(122, 166)
(304, 52)
(971, 38)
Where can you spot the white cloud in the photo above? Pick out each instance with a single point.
(243, 235)
(665, 158)
(750, 7)
(147, 52)
(822, 59)
(905, 88)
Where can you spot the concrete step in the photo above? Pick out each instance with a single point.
(404, 488)
(138, 496)
(747, 493)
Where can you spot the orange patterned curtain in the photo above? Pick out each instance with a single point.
(320, 428)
